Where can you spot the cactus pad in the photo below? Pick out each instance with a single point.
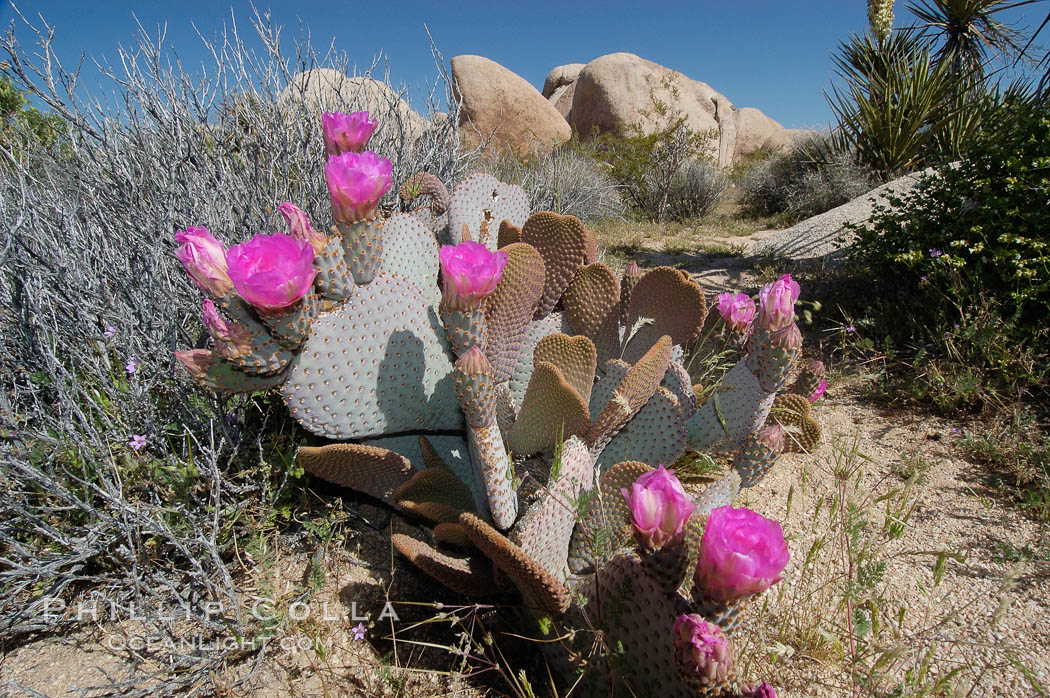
(435, 486)
(592, 307)
(508, 234)
(606, 525)
(738, 409)
(552, 408)
(291, 327)
(770, 363)
(471, 576)
(426, 184)
(333, 280)
(633, 392)
(802, 433)
(655, 435)
(411, 252)
(753, 461)
(602, 392)
(375, 471)
(509, 309)
(481, 198)
(574, 356)
(266, 356)
(363, 249)
(546, 528)
(220, 375)
(678, 382)
(537, 330)
(636, 612)
(675, 305)
(564, 245)
(493, 469)
(376, 365)
(537, 585)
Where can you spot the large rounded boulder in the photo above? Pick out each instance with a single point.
(503, 109)
(753, 129)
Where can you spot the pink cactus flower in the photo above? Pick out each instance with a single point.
(231, 339)
(760, 690)
(346, 133)
(356, 183)
(777, 303)
(272, 271)
(205, 260)
(737, 310)
(659, 506)
(470, 272)
(821, 387)
(299, 226)
(195, 361)
(702, 648)
(742, 553)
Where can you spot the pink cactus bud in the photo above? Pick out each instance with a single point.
(474, 362)
(346, 133)
(777, 303)
(659, 506)
(742, 553)
(821, 387)
(788, 337)
(196, 361)
(702, 648)
(816, 368)
(272, 271)
(772, 437)
(356, 183)
(633, 271)
(299, 226)
(737, 310)
(760, 690)
(470, 272)
(231, 339)
(205, 260)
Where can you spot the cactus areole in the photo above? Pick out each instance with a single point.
(532, 362)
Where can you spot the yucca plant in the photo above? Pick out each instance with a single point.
(895, 100)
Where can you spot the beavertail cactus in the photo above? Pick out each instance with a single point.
(518, 399)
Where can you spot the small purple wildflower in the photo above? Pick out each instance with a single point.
(849, 328)
(935, 253)
(110, 332)
(138, 441)
(924, 278)
(131, 366)
(956, 430)
(359, 631)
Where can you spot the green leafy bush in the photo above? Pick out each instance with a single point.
(973, 236)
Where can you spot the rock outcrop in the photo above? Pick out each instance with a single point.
(504, 109)
(621, 89)
(753, 129)
(787, 138)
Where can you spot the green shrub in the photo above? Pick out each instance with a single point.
(973, 236)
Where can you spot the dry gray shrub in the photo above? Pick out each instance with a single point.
(695, 188)
(566, 181)
(815, 176)
(86, 235)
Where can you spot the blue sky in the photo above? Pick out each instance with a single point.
(771, 55)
